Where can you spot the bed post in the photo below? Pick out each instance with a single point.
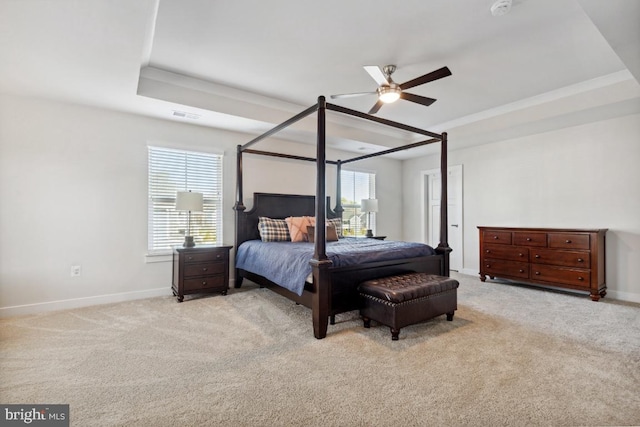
(320, 300)
(443, 247)
(338, 210)
(239, 208)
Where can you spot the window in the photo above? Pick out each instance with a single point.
(171, 171)
(356, 186)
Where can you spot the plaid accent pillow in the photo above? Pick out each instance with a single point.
(273, 230)
(337, 223)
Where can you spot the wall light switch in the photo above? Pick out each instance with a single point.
(75, 270)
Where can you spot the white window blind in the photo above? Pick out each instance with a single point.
(356, 186)
(171, 171)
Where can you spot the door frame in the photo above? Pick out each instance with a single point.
(424, 208)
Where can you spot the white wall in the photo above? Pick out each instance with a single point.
(580, 177)
(73, 191)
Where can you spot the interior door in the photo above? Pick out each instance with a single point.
(454, 211)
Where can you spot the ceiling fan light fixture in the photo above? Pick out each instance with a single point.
(389, 94)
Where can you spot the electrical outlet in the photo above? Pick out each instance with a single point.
(75, 270)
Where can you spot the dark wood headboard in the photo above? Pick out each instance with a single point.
(278, 206)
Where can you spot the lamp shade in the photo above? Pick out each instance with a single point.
(369, 205)
(188, 201)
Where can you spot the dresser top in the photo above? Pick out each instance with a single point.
(546, 230)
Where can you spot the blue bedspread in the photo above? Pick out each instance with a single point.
(287, 264)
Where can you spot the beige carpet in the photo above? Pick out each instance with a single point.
(512, 356)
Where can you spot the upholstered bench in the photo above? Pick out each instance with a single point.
(399, 301)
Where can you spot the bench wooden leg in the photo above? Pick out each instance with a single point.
(394, 334)
(450, 316)
(332, 319)
(367, 322)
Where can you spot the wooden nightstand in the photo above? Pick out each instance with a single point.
(200, 269)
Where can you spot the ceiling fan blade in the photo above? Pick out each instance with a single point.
(351, 95)
(434, 75)
(417, 98)
(376, 73)
(376, 107)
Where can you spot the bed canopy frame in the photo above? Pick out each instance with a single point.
(318, 299)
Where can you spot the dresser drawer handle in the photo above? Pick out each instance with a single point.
(495, 237)
(520, 255)
(580, 278)
(204, 283)
(537, 256)
(580, 260)
(218, 256)
(537, 273)
(488, 251)
(528, 239)
(488, 265)
(521, 271)
(204, 268)
(190, 258)
(567, 241)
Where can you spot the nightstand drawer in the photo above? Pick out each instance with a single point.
(565, 258)
(204, 283)
(204, 269)
(214, 255)
(506, 252)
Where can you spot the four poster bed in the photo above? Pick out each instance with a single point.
(331, 286)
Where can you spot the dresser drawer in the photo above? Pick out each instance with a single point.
(208, 282)
(497, 237)
(565, 258)
(216, 255)
(567, 276)
(506, 252)
(203, 269)
(568, 241)
(495, 267)
(530, 239)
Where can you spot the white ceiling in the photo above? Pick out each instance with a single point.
(247, 65)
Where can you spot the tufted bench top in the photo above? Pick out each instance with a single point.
(407, 287)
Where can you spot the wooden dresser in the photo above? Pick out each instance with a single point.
(200, 269)
(564, 258)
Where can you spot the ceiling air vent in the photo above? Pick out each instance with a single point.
(186, 115)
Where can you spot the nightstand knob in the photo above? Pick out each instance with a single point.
(537, 273)
(537, 256)
(204, 283)
(580, 260)
(521, 271)
(528, 239)
(488, 251)
(580, 278)
(204, 268)
(218, 256)
(521, 255)
(567, 241)
(488, 265)
(495, 237)
(190, 258)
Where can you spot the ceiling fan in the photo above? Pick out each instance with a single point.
(390, 91)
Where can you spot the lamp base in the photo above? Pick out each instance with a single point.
(369, 233)
(188, 242)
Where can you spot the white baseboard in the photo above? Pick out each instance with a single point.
(618, 295)
(20, 310)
